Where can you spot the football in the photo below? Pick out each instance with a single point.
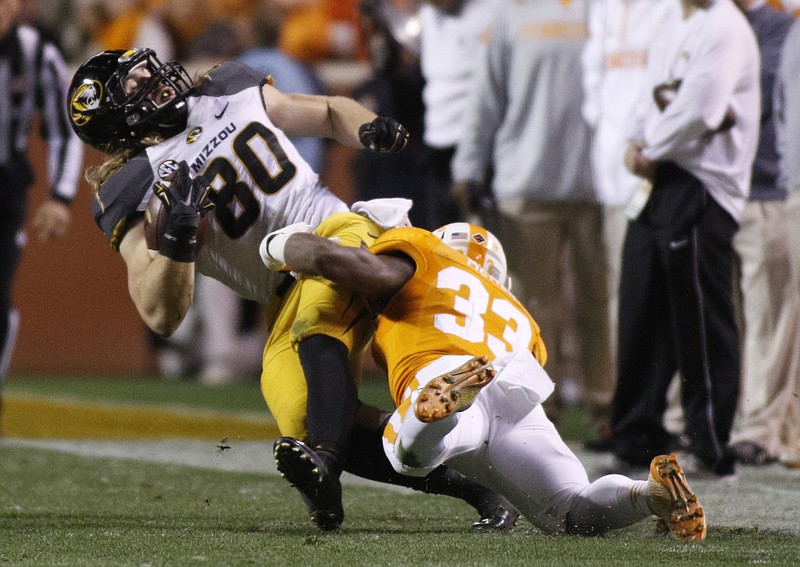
(155, 222)
(156, 218)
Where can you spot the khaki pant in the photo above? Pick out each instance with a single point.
(536, 237)
(771, 325)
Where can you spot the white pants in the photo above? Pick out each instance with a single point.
(506, 442)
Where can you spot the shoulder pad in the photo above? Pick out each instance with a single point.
(122, 198)
(410, 241)
(230, 78)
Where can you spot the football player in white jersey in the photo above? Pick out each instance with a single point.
(464, 360)
(222, 144)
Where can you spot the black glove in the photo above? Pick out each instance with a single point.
(383, 135)
(181, 195)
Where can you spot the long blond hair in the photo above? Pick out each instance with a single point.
(98, 174)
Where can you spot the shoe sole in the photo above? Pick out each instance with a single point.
(454, 391)
(297, 465)
(687, 519)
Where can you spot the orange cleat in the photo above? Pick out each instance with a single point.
(671, 499)
(453, 391)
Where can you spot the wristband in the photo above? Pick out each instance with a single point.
(179, 243)
(273, 247)
(276, 245)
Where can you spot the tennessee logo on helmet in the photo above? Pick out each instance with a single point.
(85, 98)
(482, 249)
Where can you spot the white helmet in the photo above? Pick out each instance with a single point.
(479, 245)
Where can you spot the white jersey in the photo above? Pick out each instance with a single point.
(258, 181)
(715, 55)
(614, 77)
(449, 49)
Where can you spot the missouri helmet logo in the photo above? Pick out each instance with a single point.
(85, 98)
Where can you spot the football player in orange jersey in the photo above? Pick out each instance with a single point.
(464, 360)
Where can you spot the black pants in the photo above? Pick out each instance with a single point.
(440, 208)
(13, 204)
(676, 313)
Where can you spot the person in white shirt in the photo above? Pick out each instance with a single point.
(450, 41)
(524, 124)
(614, 64)
(696, 144)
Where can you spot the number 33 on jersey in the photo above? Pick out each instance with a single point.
(448, 307)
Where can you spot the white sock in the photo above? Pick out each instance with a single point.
(611, 502)
(422, 444)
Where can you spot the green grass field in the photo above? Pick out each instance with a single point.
(184, 500)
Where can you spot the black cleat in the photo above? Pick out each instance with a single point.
(496, 514)
(308, 473)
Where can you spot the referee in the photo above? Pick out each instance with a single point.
(33, 79)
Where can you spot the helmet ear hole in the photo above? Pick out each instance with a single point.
(481, 247)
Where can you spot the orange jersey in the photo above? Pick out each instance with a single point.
(447, 307)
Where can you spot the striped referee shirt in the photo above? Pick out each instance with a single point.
(33, 78)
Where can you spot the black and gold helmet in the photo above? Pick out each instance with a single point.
(108, 118)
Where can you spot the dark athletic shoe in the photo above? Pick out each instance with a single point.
(751, 453)
(307, 472)
(496, 514)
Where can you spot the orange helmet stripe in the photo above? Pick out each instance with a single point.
(478, 239)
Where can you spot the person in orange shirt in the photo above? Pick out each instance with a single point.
(792, 6)
(145, 22)
(315, 30)
(464, 360)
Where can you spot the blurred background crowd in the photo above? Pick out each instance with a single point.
(311, 31)
(414, 60)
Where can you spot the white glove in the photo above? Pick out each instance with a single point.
(387, 213)
(271, 248)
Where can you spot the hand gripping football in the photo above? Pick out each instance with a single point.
(156, 217)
